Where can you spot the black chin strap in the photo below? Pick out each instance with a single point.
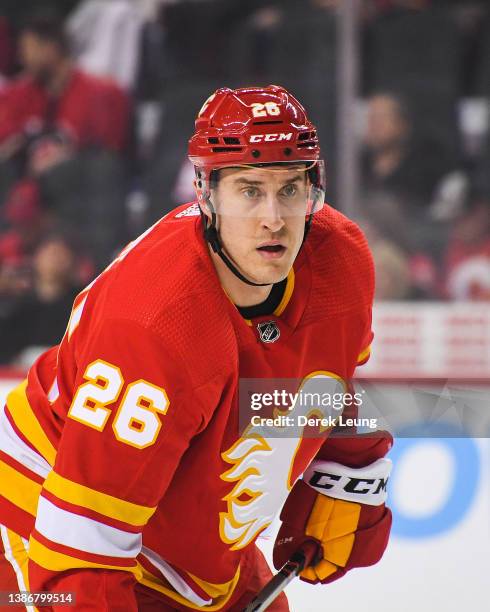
(211, 235)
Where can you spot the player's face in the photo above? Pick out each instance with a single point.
(261, 218)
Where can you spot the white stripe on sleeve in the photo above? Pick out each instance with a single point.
(84, 533)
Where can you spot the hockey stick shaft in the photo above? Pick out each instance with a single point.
(292, 568)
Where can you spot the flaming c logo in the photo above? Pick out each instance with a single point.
(263, 463)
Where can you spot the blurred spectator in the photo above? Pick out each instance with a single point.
(392, 271)
(395, 158)
(62, 133)
(40, 317)
(17, 246)
(406, 248)
(397, 272)
(53, 96)
(387, 214)
(467, 260)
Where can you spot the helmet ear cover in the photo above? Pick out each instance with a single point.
(204, 202)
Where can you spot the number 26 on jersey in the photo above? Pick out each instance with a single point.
(136, 421)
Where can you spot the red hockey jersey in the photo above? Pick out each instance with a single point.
(122, 449)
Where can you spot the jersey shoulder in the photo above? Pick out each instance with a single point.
(341, 262)
(165, 282)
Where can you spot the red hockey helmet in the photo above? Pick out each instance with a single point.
(256, 126)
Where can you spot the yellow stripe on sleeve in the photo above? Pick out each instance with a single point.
(27, 423)
(365, 353)
(59, 562)
(104, 504)
(19, 489)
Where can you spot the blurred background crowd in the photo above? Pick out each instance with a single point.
(98, 99)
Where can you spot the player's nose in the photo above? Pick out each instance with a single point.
(271, 214)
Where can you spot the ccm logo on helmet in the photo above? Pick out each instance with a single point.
(270, 137)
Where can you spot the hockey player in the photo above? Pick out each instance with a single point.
(125, 477)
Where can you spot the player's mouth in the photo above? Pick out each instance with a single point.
(272, 249)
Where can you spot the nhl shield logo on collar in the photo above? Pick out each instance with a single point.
(268, 330)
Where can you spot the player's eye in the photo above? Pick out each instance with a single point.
(289, 190)
(251, 192)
